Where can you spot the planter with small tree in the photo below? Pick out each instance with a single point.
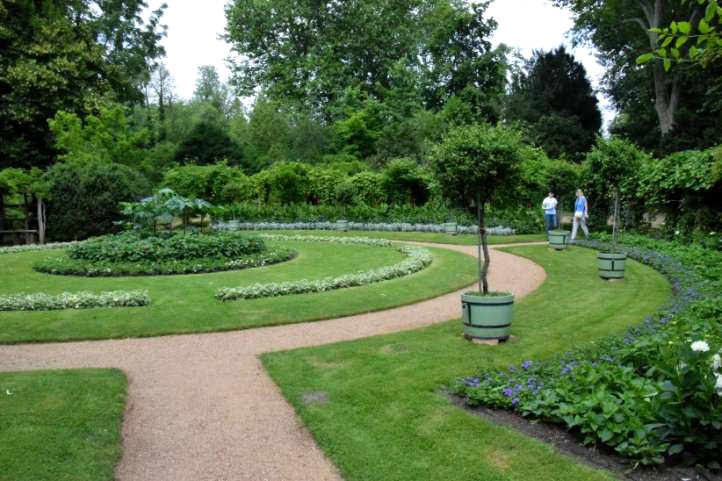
(475, 165)
(612, 163)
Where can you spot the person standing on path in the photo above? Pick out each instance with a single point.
(581, 214)
(550, 211)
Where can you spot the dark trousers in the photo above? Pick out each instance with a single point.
(550, 221)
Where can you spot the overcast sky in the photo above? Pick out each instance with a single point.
(193, 29)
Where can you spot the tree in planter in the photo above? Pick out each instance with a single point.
(474, 165)
(614, 164)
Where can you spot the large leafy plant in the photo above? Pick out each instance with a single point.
(163, 208)
(474, 165)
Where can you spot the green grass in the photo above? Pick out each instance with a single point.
(185, 303)
(61, 425)
(462, 239)
(386, 418)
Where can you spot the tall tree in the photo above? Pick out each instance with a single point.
(310, 51)
(622, 30)
(210, 89)
(66, 55)
(553, 95)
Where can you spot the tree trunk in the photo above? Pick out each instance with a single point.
(666, 86)
(615, 221)
(41, 220)
(483, 268)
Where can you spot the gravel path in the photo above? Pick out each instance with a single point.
(201, 407)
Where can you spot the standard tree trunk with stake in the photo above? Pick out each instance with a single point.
(483, 268)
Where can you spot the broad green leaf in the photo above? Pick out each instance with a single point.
(667, 41)
(644, 58)
(710, 12)
(704, 27)
(675, 53)
(662, 52)
(681, 41)
(683, 27)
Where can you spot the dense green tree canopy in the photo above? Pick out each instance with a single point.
(662, 109)
(553, 95)
(65, 55)
(310, 51)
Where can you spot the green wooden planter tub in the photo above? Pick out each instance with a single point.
(487, 317)
(611, 266)
(559, 239)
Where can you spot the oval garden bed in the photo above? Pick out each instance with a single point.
(136, 254)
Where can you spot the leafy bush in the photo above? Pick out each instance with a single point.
(653, 394)
(418, 258)
(135, 247)
(84, 198)
(686, 186)
(73, 300)
(67, 266)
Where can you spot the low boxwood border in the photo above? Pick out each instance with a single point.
(418, 259)
(73, 300)
(73, 267)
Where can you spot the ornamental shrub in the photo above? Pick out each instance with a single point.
(136, 247)
(84, 198)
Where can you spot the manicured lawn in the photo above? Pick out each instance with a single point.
(183, 304)
(463, 239)
(61, 425)
(386, 418)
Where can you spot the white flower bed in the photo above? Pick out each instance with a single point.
(418, 258)
(37, 247)
(73, 300)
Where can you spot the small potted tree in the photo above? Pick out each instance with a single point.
(612, 163)
(474, 165)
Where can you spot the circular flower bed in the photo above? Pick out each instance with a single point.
(136, 247)
(130, 254)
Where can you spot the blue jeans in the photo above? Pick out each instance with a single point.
(550, 221)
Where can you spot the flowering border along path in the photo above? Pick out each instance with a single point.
(37, 247)
(73, 300)
(653, 394)
(418, 258)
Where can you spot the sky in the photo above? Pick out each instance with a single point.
(194, 27)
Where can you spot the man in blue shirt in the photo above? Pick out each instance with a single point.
(581, 214)
(550, 211)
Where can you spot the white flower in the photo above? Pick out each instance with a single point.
(716, 362)
(676, 232)
(700, 346)
(718, 384)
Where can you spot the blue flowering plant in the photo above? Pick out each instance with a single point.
(653, 394)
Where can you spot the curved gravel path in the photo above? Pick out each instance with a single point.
(201, 407)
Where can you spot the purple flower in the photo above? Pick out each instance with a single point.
(526, 364)
(508, 392)
(515, 401)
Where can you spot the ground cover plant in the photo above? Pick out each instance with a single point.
(653, 394)
(385, 417)
(417, 259)
(186, 303)
(73, 300)
(61, 425)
